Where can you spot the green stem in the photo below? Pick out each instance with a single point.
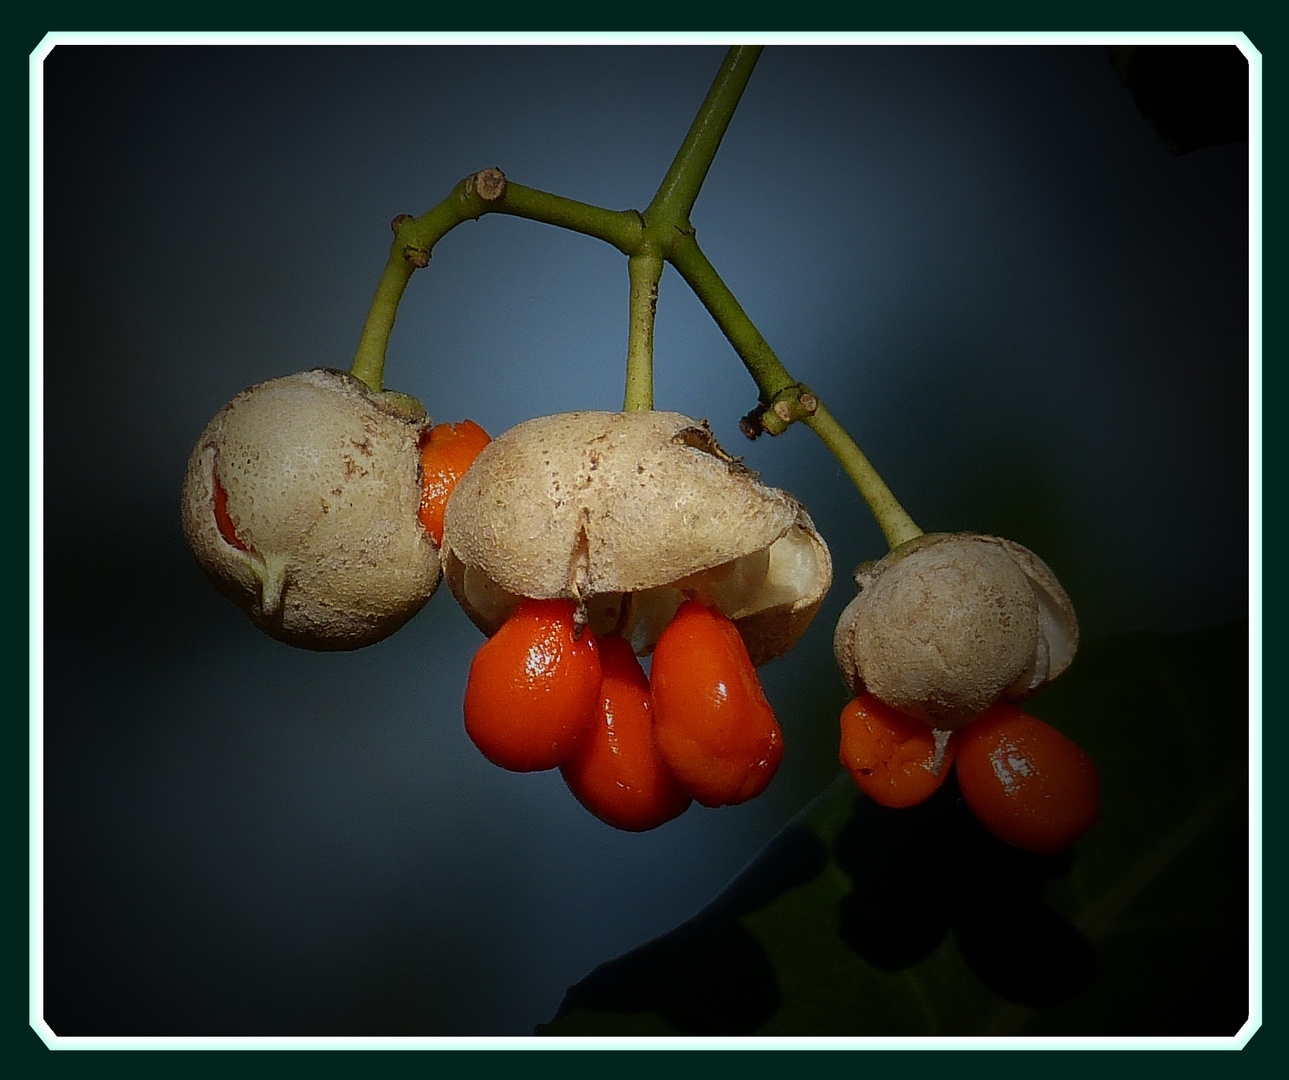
(645, 270)
(369, 360)
(621, 228)
(783, 399)
(680, 187)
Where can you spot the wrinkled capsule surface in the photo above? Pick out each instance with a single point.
(629, 514)
(948, 624)
(301, 504)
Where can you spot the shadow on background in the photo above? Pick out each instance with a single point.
(922, 872)
(710, 976)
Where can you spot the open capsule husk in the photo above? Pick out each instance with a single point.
(947, 624)
(627, 514)
(322, 478)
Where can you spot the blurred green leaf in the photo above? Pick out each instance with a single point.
(858, 920)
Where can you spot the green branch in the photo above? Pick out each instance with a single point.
(680, 187)
(621, 228)
(485, 192)
(369, 360)
(770, 375)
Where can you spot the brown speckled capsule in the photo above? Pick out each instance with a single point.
(300, 503)
(948, 624)
(628, 514)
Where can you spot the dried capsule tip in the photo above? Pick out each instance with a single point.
(941, 745)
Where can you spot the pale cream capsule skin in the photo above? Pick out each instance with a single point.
(628, 514)
(323, 485)
(948, 624)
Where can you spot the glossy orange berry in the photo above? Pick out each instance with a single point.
(1028, 784)
(447, 450)
(891, 756)
(617, 772)
(714, 727)
(534, 688)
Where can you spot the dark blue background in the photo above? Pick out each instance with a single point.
(1030, 314)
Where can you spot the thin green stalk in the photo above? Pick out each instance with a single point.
(645, 270)
(770, 375)
(895, 523)
(490, 192)
(680, 187)
(783, 400)
(369, 360)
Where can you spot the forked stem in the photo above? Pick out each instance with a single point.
(667, 216)
(661, 234)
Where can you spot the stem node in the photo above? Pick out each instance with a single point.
(489, 184)
(781, 411)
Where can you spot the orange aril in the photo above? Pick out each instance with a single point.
(534, 688)
(447, 451)
(891, 756)
(617, 772)
(714, 727)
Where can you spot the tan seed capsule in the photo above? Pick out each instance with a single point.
(948, 624)
(628, 514)
(300, 503)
